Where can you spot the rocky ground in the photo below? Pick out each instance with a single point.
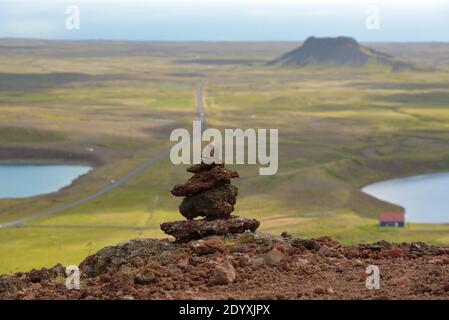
(245, 266)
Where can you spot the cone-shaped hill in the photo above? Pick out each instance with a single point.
(339, 52)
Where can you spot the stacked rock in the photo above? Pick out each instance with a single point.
(209, 194)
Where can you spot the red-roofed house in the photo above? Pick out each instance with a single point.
(392, 219)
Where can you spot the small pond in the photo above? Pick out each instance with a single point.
(27, 180)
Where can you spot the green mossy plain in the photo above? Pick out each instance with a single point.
(339, 130)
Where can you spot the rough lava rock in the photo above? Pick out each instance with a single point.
(204, 180)
(185, 231)
(217, 203)
(10, 284)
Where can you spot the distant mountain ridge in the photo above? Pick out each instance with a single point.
(339, 51)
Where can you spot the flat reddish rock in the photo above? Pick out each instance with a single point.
(185, 231)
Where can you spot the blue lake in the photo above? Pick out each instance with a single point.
(425, 198)
(27, 180)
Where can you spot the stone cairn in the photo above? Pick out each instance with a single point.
(209, 194)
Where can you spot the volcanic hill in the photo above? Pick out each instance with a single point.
(340, 52)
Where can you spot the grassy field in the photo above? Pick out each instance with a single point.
(339, 130)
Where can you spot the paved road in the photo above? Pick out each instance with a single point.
(200, 109)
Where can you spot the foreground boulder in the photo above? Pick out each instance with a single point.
(115, 257)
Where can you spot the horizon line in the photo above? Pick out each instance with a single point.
(205, 41)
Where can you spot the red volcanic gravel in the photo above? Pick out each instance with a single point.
(246, 266)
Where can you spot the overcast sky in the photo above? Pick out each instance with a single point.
(399, 20)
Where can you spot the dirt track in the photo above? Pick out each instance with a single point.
(250, 266)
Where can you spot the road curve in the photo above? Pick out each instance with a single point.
(120, 182)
